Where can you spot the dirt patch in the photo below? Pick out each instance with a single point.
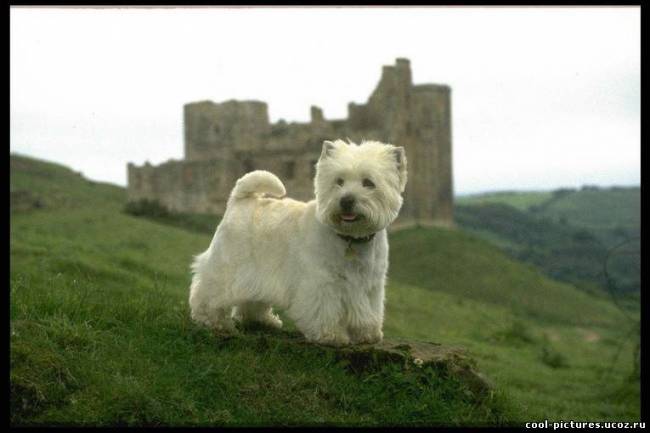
(590, 336)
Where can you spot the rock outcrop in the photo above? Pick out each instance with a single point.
(449, 361)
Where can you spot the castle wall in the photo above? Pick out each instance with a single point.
(182, 186)
(213, 129)
(430, 130)
(445, 191)
(200, 136)
(224, 141)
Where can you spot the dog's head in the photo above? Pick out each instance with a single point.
(358, 187)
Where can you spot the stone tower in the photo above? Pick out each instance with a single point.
(225, 140)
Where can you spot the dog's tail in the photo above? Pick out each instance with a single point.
(256, 183)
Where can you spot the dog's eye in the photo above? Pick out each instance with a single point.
(340, 181)
(367, 183)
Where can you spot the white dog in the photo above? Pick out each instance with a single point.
(324, 261)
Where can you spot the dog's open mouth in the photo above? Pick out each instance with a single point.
(349, 217)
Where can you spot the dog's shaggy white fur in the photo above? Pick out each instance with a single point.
(323, 261)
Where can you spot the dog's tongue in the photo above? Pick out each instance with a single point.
(348, 217)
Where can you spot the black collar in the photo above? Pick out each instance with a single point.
(353, 240)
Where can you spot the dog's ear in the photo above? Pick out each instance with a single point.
(400, 157)
(328, 148)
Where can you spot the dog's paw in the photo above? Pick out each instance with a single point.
(268, 319)
(272, 320)
(224, 327)
(366, 336)
(336, 339)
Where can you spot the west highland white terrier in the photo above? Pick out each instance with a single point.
(324, 262)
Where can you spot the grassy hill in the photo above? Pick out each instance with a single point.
(563, 251)
(100, 330)
(589, 237)
(612, 214)
(522, 200)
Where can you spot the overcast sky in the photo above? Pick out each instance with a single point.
(541, 97)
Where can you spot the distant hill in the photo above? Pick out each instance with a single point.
(564, 252)
(522, 200)
(612, 214)
(464, 265)
(100, 329)
(36, 184)
(568, 233)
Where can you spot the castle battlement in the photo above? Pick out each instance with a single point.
(225, 140)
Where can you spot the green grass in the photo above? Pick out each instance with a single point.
(522, 200)
(57, 187)
(100, 331)
(101, 335)
(463, 265)
(561, 250)
(613, 214)
(509, 348)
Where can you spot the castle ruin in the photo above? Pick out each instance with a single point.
(223, 141)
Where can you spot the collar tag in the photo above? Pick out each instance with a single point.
(350, 252)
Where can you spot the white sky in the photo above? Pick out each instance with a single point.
(541, 97)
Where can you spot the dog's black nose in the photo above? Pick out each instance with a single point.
(347, 203)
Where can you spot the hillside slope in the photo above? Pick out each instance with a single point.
(563, 251)
(100, 330)
(101, 334)
(522, 200)
(612, 214)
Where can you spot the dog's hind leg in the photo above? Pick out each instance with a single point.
(217, 318)
(259, 312)
(210, 302)
(209, 310)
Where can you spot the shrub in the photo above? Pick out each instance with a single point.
(517, 332)
(552, 357)
(153, 210)
(148, 208)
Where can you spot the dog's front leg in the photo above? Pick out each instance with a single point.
(319, 315)
(366, 317)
